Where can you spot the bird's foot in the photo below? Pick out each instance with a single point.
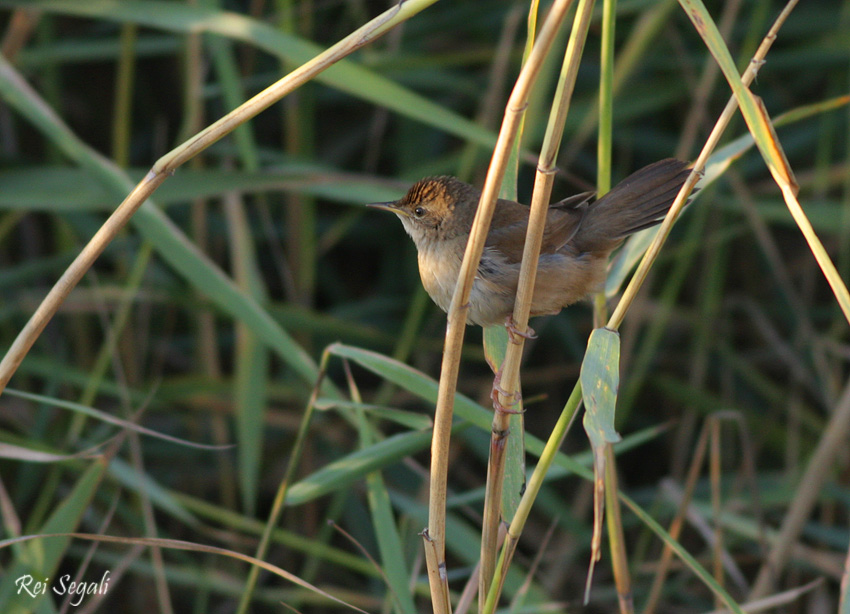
(514, 333)
(515, 396)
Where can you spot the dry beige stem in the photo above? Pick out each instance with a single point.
(168, 163)
(457, 313)
(525, 289)
(719, 128)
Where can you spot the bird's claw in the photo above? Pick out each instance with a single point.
(515, 396)
(514, 332)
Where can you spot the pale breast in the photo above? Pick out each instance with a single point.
(489, 300)
(439, 275)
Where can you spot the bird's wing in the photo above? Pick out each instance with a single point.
(561, 226)
(507, 230)
(564, 220)
(573, 202)
(510, 223)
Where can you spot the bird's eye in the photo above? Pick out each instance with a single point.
(419, 211)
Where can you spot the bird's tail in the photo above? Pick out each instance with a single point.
(639, 201)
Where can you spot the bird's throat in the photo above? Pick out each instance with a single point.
(439, 267)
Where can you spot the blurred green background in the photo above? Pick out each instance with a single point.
(736, 316)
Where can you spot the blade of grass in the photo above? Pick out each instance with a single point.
(59, 189)
(283, 488)
(251, 368)
(384, 525)
(176, 544)
(649, 25)
(41, 559)
(138, 482)
(348, 76)
(27, 102)
(426, 388)
(356, 465)
(761, 128)
(600, 382)
(717, 131)
(509, 380)
(505, 480)
(832, 441)
(296, 542)
(85, 410)
(604, 349)
(606, 98)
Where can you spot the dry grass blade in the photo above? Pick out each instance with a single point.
(677, 523)
(168, 163)
(600, 382)
(832, 442)
(776, 601)
(640, 275)
(110, 419)
(437, 575)
(176, 544)
(719, 127)
(759, 124)
(460, 302)
(11, 451)
(616, 536)
(528, 272)
(784, 177)
(682, 499)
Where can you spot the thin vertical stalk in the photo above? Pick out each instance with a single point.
(123, 96)
(299, 141)
(207, 353)
(604, 148)
(528, 272)
(833, 440)
(697, 113)
(283, 487)
(678, 522)
(606, 98)
(719, 127)
(647, 27)
(13, 84)
(567, 414)
(714, 472)
(507, 439)
(434, 536)
(616, 536)
(604, 139)
(556, 437)
(496, 79)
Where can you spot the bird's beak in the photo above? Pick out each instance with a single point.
(388, 206)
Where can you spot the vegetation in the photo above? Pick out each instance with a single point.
(233, 409)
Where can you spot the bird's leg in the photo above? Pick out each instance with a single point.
(497, 390)
(516, 396)
(514, 332)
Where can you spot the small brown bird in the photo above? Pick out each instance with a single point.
(579, 235)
